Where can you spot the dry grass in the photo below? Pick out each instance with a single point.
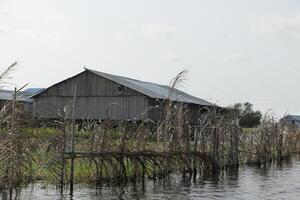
(130, 151)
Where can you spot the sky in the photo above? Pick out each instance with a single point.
(234, 50)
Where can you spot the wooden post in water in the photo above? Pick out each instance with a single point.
(63, 167)
(236, 138)
(215, 145)
(279, 142)
(73, 143)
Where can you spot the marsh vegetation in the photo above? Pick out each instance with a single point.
(110, 152)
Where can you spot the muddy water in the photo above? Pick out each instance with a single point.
(274, 182)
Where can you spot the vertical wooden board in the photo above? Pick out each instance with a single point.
(79, 111)
(90, 107)
(145, 105)
(89, 84)
(130, 110)
(125, 102)
(119, 108)
(96, 98)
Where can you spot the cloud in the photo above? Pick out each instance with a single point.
(4, 10)
(288, 27)
(51, 36)
(158, 30)
(4, 29)
(35, 34)
(233, 57)
(54, 19)
(48, 27)
(170, 58)
(122, 37)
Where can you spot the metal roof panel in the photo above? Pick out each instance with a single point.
(153, 90)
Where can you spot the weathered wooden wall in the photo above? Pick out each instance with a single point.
(97, 98)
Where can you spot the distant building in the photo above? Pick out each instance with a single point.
(105, 96)
(23, 97)
(293, 120)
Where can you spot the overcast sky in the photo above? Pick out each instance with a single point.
(235, 50)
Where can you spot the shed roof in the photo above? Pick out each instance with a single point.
(294, 119)
(153, 90)
(25, 95)
(149, 89)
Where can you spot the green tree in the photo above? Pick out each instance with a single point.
(249, 118)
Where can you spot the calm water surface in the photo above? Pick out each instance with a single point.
(248, 183)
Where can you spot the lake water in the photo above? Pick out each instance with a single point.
(248, 183)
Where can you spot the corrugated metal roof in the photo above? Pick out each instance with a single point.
(21, 96)
(33, 91)
(153, 90)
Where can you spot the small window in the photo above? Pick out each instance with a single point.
(120, 90)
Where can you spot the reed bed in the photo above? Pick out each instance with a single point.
(120, 152)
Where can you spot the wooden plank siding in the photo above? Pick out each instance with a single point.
(97, 98)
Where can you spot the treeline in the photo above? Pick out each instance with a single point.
(248, 117)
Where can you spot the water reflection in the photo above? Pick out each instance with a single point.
(273, 182)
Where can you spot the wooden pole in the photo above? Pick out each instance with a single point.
(63, 165)
(73, 143)
(11, 184)
(12, 133)
(215, 145)
(195, 149)
(236, 146)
